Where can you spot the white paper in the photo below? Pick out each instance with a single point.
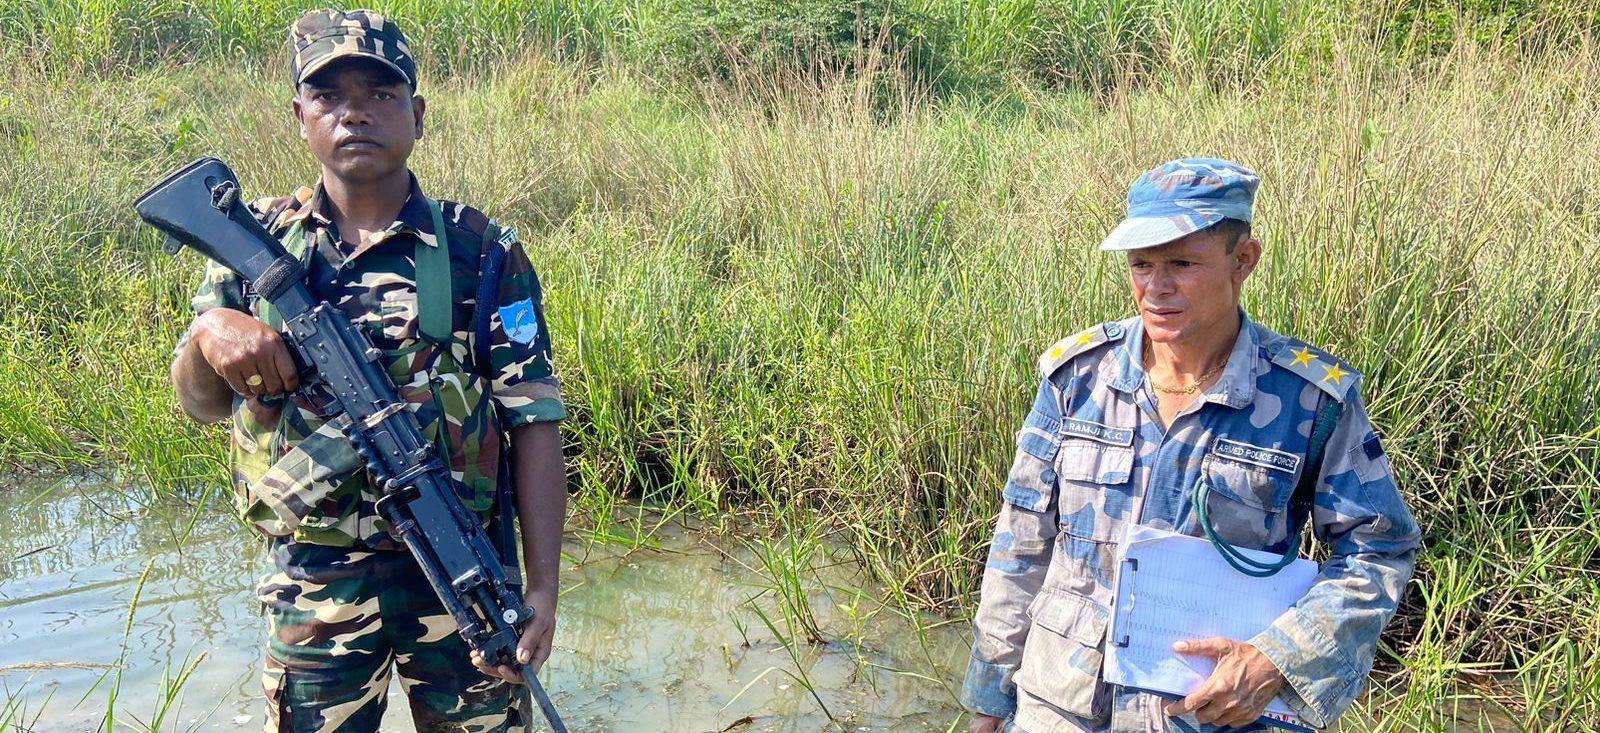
(1172, 587)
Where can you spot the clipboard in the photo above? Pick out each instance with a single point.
(1173, 587)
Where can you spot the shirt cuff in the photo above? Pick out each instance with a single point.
(988, 689)
(530, 402)
(1320, 687)
(541, 410)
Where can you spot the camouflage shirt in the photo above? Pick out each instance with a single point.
(299, 478)
(1092, 457)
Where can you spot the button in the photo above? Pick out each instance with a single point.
(1113, 330)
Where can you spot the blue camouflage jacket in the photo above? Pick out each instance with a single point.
(1092, 457)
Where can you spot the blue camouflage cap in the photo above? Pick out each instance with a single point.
(1183, 196)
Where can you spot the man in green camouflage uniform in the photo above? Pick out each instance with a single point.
(349, 602)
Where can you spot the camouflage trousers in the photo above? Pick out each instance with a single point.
(340, 619)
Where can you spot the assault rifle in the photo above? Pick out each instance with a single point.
(199, 207)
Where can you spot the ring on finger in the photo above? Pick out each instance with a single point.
(254, 380)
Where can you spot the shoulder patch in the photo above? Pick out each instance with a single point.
(521, 321)
(1076, 345)
(1317, 367)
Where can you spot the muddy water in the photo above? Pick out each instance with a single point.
(659, 639)
(662, 639)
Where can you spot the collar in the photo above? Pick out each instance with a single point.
(414, 217)
(1128, 356)
(1237, 386)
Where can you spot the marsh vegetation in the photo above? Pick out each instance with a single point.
(798, 264)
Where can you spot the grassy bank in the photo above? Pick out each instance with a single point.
(790, 309)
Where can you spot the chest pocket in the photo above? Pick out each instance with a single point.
(394, 316)
(1247, 503)
(1096, 492)
(1267, 489)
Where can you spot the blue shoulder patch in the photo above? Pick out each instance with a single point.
(1372, 447)
(521, 321)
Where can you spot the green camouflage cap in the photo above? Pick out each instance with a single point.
(322, 36)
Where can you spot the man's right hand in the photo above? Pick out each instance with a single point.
(985, 724)
(245, 352)
(230, 352)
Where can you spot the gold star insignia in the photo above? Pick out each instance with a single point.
(1335, 373)
(1055, 352)
(1302, 357)
(1085, 337)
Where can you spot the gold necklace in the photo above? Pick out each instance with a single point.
(1191, 388)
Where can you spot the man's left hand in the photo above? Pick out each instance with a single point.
(1238, 690)
(534, 646)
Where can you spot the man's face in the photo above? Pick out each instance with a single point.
(359, 118)
(1189, 288)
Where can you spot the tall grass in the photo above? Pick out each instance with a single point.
(118, 35)
(829, 296)
(950, 45)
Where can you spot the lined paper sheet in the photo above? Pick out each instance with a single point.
(1173, 587)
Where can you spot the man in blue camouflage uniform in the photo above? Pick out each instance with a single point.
(349, 603)
(1129, 418)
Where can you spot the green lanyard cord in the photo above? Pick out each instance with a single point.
(1240, 562)
(1300, 505)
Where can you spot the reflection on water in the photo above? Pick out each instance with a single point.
(648, 640)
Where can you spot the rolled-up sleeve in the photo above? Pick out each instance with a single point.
(525, 385)
(1324, 645)
(1019, 557)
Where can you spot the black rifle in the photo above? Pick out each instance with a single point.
(199, 207)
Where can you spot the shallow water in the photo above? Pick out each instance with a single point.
(658, 639)
(662, 639)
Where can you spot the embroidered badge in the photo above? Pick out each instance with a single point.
(521, 321)
(1276, 460)
(1097, 431)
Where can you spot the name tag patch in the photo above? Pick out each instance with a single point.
(1097, 431)
(1276, 460)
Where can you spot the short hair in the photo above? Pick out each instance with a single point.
(1233, 231)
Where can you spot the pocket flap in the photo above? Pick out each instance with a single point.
(1088, 460)
(1070, 615)
(1265, 489)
